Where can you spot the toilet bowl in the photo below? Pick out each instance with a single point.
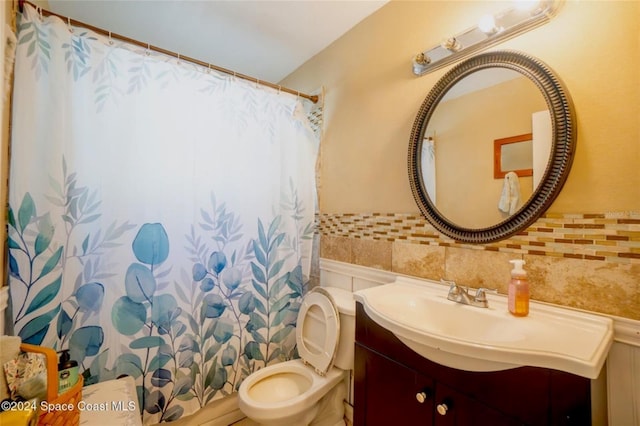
(309, 390)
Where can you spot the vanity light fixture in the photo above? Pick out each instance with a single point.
(491, 29)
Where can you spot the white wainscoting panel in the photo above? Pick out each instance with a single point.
(623, 374)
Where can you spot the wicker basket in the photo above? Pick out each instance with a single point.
(65, 406)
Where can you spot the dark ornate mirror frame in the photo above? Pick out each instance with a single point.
(561, 156)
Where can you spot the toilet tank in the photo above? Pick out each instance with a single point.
(347, 309)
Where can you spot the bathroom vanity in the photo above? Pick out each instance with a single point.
(395, 385)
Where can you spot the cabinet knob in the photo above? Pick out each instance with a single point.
(442, 409)
(422, 397)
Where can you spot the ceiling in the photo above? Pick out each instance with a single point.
(264, 39)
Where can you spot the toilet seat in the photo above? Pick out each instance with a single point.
(318, 330)
(291, 392)
(270, 411)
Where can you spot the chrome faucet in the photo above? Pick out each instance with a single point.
(460, 294)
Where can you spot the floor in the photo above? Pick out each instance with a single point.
(244, 422)
(249, 422)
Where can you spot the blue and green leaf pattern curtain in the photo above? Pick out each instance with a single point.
(160, 216)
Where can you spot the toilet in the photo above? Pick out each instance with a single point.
(309, 390)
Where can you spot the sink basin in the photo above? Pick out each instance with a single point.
(488, 339)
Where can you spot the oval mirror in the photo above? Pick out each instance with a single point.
(491, 146)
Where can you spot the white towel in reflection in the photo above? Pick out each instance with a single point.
(510, 193)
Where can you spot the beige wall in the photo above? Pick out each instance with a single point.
(465, 128)
(372, 98)
(584, 252)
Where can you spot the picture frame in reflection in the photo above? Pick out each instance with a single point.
(513, 154)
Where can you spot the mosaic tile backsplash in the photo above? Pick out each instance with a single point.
(585, 261)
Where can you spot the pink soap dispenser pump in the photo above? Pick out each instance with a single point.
(518, 290)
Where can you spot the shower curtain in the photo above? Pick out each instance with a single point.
(160, 216)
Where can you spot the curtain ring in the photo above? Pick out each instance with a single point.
(110, 39)
(148, 52)
(279, 89)
(257, 83)
(209, 69)
(69, 25)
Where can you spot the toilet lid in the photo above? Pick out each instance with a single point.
(318, 330)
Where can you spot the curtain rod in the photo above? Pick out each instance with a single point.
(312, 98)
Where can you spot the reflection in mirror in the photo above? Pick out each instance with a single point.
(484, 106)
(514, 154)
(493, 95)
(517, 157)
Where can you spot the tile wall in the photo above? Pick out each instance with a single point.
(585, 261)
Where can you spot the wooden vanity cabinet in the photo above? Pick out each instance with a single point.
(393, 385)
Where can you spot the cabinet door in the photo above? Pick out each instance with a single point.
(388, 393)
(455, 409)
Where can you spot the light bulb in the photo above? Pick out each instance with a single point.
(487, 24)
(527, 5)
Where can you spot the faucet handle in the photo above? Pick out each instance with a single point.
(481, 295)
(454, 288)
(449, 283)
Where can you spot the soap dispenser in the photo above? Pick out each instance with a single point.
(67, 372)
(518, 290)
